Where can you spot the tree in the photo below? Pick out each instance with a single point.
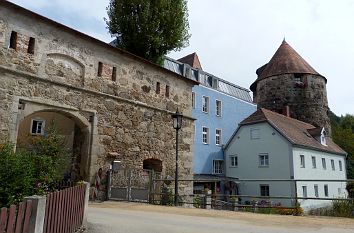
(343, 136)
(149, 28)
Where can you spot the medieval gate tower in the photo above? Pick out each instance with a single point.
(289, 85)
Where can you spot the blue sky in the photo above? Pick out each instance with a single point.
(234, 38)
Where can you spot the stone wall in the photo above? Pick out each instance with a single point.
(126, 118)
(307, 99)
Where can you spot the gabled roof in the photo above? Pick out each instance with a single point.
(295, 131)
(285, 61)
(192, 60)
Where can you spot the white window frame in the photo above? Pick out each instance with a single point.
(205, 135)
(326, 190)
(218, 166)
(333, 166)
(255, 133)
(323, 140)
(315, 188)
(218, 110)
(218, 137)
(233, 161)
(340, 165)
(267, 190)
(302, 161)
(304, 191)
(314, 162)
(263, 160)
(42, 126)
(205, 104)
(193, 99)
(324, 165)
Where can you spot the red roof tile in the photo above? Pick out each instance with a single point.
(294, 130)
(192, 60)
(285, 61)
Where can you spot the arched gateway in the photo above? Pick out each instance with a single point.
(35, 120)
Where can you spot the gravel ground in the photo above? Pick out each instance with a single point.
(114, 217)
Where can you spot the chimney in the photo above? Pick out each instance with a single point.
(286, 110)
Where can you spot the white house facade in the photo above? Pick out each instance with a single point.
(270, 146)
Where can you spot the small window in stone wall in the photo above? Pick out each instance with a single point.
(300, 80)
(158, 88)
(13, 40)
(167, 93)
(37, 127)
(31, 45)
(100, 68)
(114, 74)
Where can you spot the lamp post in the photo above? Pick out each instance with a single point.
(177, 124)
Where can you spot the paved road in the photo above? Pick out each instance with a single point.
(113, 217)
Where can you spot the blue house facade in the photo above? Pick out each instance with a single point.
(218, 107)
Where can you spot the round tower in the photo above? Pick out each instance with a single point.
(289, 85)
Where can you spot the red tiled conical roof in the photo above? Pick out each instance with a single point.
(192, 60)
(285, 61)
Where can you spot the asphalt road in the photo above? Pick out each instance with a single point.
(113, 217)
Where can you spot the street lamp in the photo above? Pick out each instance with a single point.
(177, 124)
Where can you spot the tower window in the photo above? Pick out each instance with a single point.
(167, 93)
(114, 74)
(31, 45)
(298, 78)
(158, 87)
(100, 68)
(13, 40)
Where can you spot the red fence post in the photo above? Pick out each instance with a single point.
(3, 219)
(60, 212)
(28, 212)
(20, 217)
(11, 220)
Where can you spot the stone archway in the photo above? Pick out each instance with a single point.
(34, 120)
(152, 164)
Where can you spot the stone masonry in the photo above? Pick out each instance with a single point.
(108, 92)
(307, 101)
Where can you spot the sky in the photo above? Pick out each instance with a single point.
(235, 37)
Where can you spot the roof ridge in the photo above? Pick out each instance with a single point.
(290, 118)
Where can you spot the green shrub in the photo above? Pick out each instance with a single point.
(350, 189)
(197, 202)
(167, 196)
(342, 208)
(35, 170)
(339, 208)
(17, 176)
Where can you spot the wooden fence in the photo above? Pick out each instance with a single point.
(64, 210)
(16, 218)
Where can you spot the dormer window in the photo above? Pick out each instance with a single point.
(323, 137)
(319, 134)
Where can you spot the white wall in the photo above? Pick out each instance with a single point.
(247, 150)
(308, 172)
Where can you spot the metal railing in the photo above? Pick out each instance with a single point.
(233, 202)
